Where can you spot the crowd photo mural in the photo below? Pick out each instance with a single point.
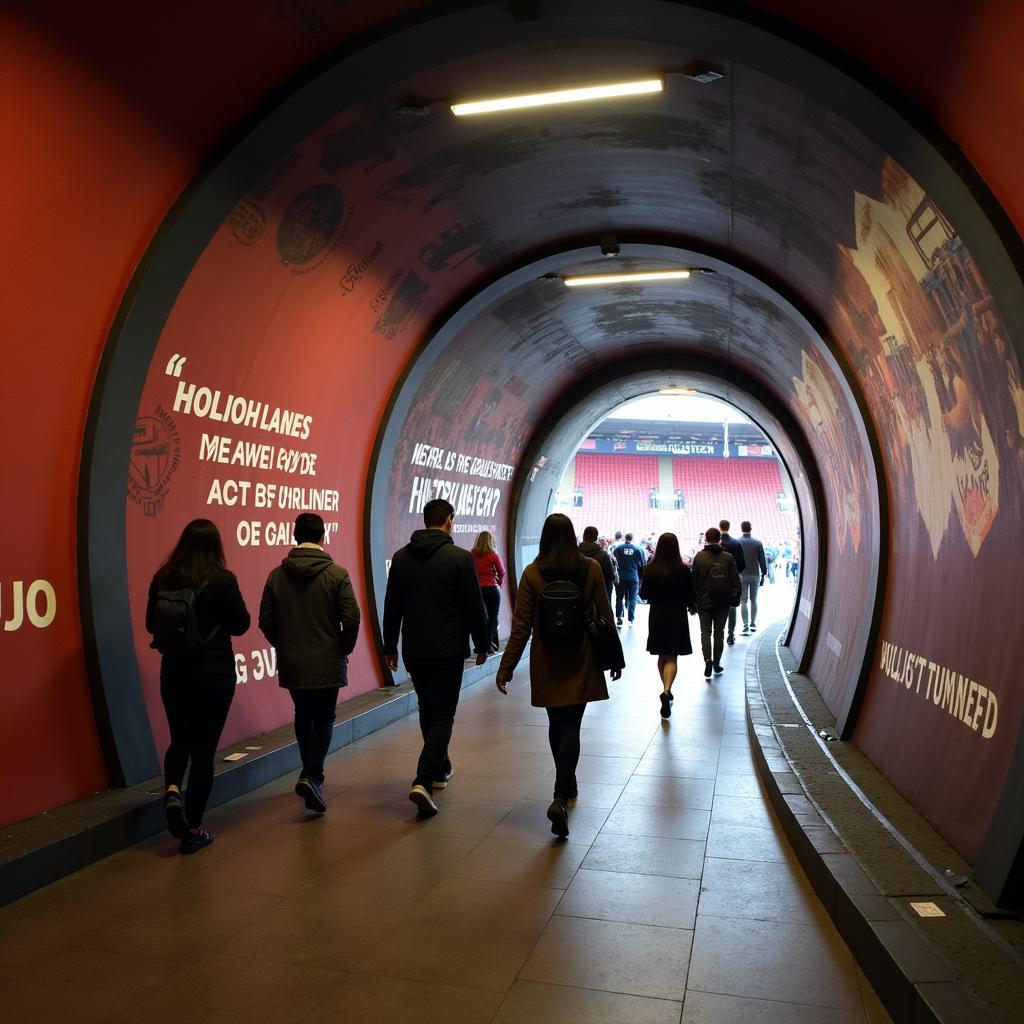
(928, 344)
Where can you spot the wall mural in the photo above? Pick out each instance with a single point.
(314, 294)
(927, 342)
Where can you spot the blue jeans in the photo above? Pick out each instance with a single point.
(626, 592)
(314, 727)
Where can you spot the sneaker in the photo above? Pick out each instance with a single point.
(707, 669)
(442, 783)
(310, 792)
(753, 628)
(423, 800)
(731, 640)
(195, 841)
(618, 622)
(666, 706)
(718, 670)
(558, 815)
(744, 631)
(174, 812)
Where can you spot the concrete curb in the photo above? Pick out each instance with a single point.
(914, 983)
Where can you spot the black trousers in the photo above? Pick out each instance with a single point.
(492, 603)
(314, 727)
(196, 708)
(564, 736)
(438, 682)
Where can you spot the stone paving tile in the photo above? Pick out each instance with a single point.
(474, 915)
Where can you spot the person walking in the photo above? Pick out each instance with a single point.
(490, 574)
(309, 613)
(732, 546)
(590, 548)
(630, 561)
(752, 576)
(433, 600)
(193, 611)
(716, 582)
(564, 673)
(668, 587)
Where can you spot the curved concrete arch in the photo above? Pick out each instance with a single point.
(385, 223)
(538, 299)
(557, 440)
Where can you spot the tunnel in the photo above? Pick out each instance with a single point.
(359, 301)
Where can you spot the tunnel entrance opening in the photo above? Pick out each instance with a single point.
(679, 462)
(670, 460)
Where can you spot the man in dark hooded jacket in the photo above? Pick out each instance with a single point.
(433, 597)
(591, 549)
(309, 613)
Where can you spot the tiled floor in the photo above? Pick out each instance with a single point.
(676, 898)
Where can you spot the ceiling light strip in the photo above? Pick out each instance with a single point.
(645, 275)
(547, 99)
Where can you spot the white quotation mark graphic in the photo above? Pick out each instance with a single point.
(175, 365)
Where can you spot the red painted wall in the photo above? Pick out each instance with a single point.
(114, 110)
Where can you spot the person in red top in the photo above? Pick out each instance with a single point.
(491, 574)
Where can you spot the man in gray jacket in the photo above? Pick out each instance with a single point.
(716, 583)
(309, 613)
(752, 576)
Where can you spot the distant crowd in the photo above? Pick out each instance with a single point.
(439, 597)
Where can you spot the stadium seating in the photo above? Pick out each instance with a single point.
(733, 489)
(616, 493)
(616, 496)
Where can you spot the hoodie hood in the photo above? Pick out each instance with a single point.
(305, 563)
(424, 543)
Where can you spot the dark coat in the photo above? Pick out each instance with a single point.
(701, 566)
(668, 631)
(220, 604)
(309, 613)
(735, 548)
(560, 674)
(433, 598)
(608, 569)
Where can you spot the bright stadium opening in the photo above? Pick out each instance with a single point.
(680, 462)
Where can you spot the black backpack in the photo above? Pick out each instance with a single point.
(175, 625)
(560, 610)
(719, 585)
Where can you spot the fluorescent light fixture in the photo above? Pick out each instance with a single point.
(677, 391)
(628, 278)
(548, 99)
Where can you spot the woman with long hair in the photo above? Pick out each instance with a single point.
(564, 673)
(491, 574)
(668, 588)
(194, 595)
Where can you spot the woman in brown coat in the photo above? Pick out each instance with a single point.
(564, 675)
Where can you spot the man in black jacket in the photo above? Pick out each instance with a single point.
(591, 549)
(433, 598)
(734, 548)
(309, 613)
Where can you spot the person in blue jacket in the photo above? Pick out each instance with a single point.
(630, 560)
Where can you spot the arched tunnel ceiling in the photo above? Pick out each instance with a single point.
(342, 241)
